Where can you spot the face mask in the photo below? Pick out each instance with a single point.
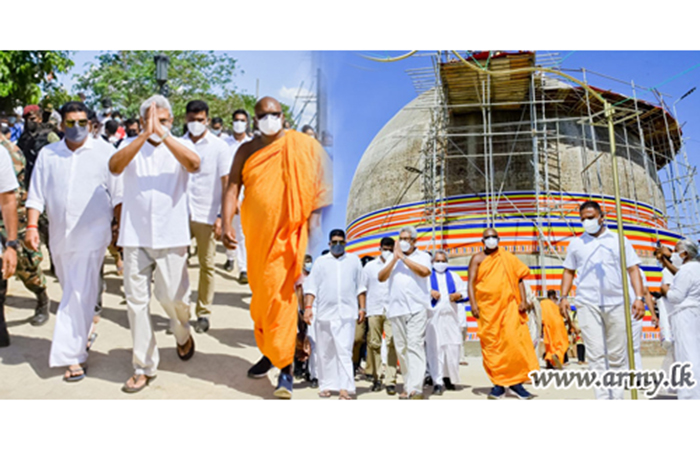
(31, 126)
(404, 246)
(337, 249)
(491, 242)
(217, 132)
(77, 133)
(591, 226)
(196, 128)
(307, 267)
(387, 254)
(270, 125)
(113, 139)
(239, 126)
(131, 133)
(12, 120)
(440, 267)
(155, 138)
(676, 259)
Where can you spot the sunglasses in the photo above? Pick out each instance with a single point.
(81, 122)
(273, 114)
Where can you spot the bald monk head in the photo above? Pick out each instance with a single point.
(490, 239)
(269, 119)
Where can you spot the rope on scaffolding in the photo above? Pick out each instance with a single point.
(389, 58)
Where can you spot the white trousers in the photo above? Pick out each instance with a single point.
(79, 275)
(168, 268)
(442, 360)
(334, 354)
(603, 331)
(686, 345)
(637, 326)
(409, 341)
(239, 253)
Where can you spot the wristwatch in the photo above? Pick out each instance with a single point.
(641, 299)
(13, 245)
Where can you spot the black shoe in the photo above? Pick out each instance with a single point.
(391, 389)
(243, 278)
(428, 381)
(438, 389)
(41, 314)
(376, 386)
(448, 384)
(228, 267)
(260, 369)
(314, 383)
(202, 325)
(4, 336)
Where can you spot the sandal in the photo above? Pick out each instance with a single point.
(131, 389)
(324, 394)
(187, 355)
(76, 374)
(345, 397)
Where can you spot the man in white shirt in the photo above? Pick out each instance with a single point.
(240, 127)
(684, 297)
(595, 257)
(8, 207)
(670, 261)
(443, 337)
(72, 182)
(409, 300)
(377, 304)
(337, 284)
(204, 194)
(155, 233)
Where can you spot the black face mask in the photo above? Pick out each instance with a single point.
(31, 126)
(131, 133)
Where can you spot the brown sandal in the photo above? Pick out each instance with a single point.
(132, 389)
(187, 355)
(324, 394)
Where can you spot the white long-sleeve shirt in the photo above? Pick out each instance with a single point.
(155, 211)
(335, 283)
(445, 316)
(8, 180)
(685, 288)
(79, 194)
(408, 292)
(377, 292)
(204, 188)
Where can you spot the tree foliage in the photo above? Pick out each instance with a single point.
(25, 74)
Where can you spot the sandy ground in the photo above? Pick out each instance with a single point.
(217, 371)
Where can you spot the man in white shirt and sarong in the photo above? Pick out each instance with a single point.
(336, 285)
(443, 336)
(241, 124)
(683, 296)
(204, 194)
(595, 257)
(377, 304)
(155, 233)
(72, 182)
(409, 300)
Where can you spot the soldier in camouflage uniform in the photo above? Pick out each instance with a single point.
(28, 261)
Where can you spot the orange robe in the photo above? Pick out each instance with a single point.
(284, 183)
(506, 346)
(556, 338)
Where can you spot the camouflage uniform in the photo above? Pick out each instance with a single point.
(28, 261)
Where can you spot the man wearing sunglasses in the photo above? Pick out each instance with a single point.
(72, 182)
(286, 177)
(155, 233)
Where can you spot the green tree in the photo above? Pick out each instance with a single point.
(25, 74)
(128, 77)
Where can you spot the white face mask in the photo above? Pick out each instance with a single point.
(404, 246)
(270, 125)
(440, 267)
(676, 259)
(239, 126)
(386, 254)
(491, 242)
(591, 226)
(155, 138)
(196, 128)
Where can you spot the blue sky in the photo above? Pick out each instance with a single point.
(366, 94)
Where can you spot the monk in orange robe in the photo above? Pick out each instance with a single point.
(556, 338)
(286, 179)
(498, 301)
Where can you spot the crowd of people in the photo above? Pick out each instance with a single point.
(85, 183)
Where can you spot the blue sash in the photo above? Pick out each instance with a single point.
(434, 285)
